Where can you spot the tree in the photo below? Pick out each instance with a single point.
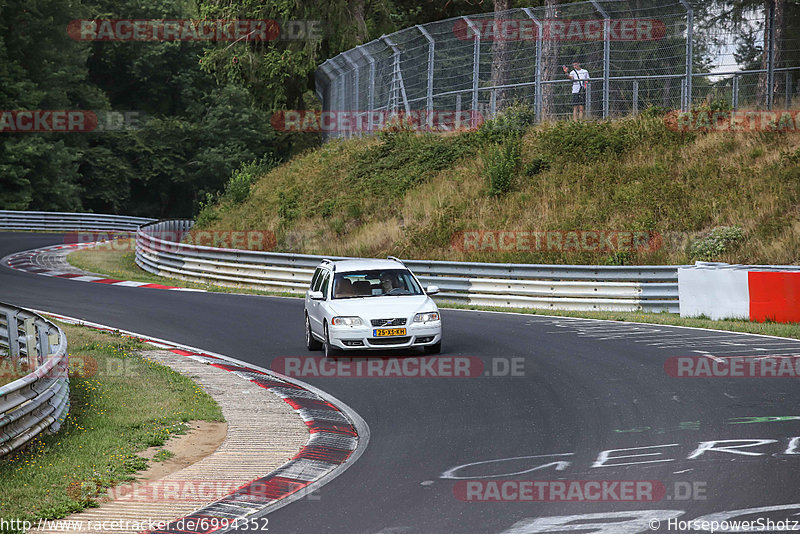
(500, 52)
(550, 54)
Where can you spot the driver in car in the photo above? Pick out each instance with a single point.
(388, 282)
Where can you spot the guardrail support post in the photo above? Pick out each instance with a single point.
(29, 329)
(13, 336)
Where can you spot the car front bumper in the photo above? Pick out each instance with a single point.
(361, 337)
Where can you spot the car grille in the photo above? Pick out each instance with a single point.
(388, 340)
(400, 321)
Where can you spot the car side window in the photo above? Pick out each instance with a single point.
(315, 278)
(324, 288)
(318, 283)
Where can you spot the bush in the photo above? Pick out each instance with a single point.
(537, 165)
(500, 163)
(512, 120)
(720, 240)
(238, 187)
(583, 141)
(404, 160)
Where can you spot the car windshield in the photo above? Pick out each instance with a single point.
(378, 283)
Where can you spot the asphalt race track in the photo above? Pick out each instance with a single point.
(584, 387)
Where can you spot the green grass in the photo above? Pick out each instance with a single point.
(121, 404)
(408, 194)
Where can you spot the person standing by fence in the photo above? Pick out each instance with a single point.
(579, 88)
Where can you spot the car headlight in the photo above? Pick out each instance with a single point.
(425, 317)
(347, 321)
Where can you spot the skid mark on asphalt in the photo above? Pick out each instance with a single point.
(672, 338)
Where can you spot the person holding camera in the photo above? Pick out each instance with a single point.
(579, 87)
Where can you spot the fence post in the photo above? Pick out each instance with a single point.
(371, 89)
(686, 104)
(635, 97)
(429, 94)
(355, 88)
(735, 91)
(476, 62)
(537, 98)
(771, 57)
(331, 91)
(683, 95)
(341, 96)
(606, 54)
(588, 99)
(788, 88)
(397, 76)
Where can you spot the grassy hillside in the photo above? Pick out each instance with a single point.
(408, 194)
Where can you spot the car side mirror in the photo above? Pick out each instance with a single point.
(432, 290)
(316, 295)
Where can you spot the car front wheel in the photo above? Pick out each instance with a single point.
(311, 341)
(327, 349)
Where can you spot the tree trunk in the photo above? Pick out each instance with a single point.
(500, 53)
(763, 78)
(550, 66)
(357, 11)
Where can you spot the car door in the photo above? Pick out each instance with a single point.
(316, 307)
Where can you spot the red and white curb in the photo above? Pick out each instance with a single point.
(24, 261)
(338, 438)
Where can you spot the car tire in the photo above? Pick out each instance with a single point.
(328, 350)
(436, 348)
(311, 342)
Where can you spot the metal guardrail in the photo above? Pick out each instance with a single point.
(39, 401)
(564, 287)
(65, 222)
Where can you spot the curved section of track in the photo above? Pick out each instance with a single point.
(591, 392)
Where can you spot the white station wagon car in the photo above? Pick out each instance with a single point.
(370, 304)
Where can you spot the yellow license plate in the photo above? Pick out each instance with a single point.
(383, 332)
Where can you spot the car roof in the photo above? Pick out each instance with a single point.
(344, 266)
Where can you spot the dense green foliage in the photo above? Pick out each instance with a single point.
(189, 135)
(203, 109)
